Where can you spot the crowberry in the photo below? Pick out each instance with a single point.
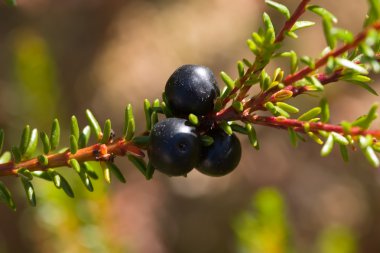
(174, 147)
(221, 157)
(191, 89)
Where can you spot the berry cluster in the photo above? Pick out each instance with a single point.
(176, 145)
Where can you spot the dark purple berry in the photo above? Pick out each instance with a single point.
(221, 157)
(191, 89)
(174, 147)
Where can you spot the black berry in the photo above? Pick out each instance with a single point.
(221, 157)
(191, 89)
(174, 147)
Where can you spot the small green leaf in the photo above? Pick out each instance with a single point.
(55, 177)
(339, 138)
(371, 156)
(282, 95)
(43, 160)
(74, 127)
(279, 7)
(270, 35)
(238, 106)
(293, 137)
(315, 83)
(141, 140)
(238, 128)
(45, 142)
(351, 65)
(84, 137)
(25, 173)
(129, 123)
(6, 157)
(32, 145)
(116, 171)
(252, 136)
(66, 187)
(328, 146)
(227, 80)
(106, 131)
(193, 119)
(95, 127)
(6, 197)
(308, 61)
(138, 163)
(168, 113)
(156, 109)
(149, 171)
(16, 154)
(325, 110)
(73, 144)
(240, 68)
(286, 107)
(301, 24)
(55, 134)
(322, 12)
(80, 169)
(344, 152)
(148, 114)
(366, 120)
(253, 47)
(25, 137)
(29, 190)
(327, 30)
(42, 174)
(312, 113)
(207, 140)
(106, 172)
(365, 141)
(90, 170)
(226, 127)
(315, 138)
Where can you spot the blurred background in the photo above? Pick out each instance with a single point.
(57, 59)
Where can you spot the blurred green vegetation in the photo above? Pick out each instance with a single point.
(264, 228)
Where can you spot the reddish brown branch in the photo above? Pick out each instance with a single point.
(334, 53)
(91, 153)
(314, 127)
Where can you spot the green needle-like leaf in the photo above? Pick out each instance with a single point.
(227, 80)
(252, 136)
(66, 187)
(29, 190)
(90, 170)
(138, 163)
(344, 152)
(116, 171)
(25, 173)
(371, 156)
(82, 174)
(293, 137)
(149, 171)
(55, 134)
(312, 113)
(74, 127)
(226, 127)
(32, 145)
(6, 197)
(25, 137)
(73, 144)
(129, 123)
(84, 137)
(45, 142)
(193, 119)
(16, 154)
(279, 7)
(6, 157)
(106, 131)
(95, 127)
(351, 65)
(148, 113)
(286, 107)
(328, 146)
(325, 110)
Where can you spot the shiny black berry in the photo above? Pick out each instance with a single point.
(191, 89)
(174, 147)
(221, 157)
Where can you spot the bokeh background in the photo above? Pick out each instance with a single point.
(59, 58)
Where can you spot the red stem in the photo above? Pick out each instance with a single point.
(314, 127)
(91, 153)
